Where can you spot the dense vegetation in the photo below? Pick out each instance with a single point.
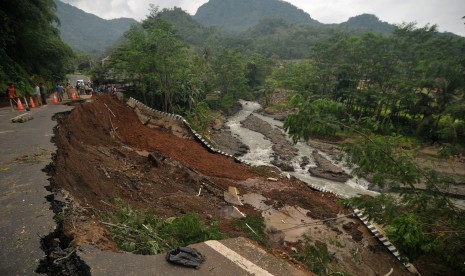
(410, 83)
(31, 49)
(166, 74)
(140, 232)
(391, 94)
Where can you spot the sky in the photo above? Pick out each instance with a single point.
(447, 14)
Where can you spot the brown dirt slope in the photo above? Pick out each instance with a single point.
(103, 152)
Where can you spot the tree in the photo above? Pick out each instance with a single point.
(315, 117)
(156, 60)
(30, 42)
(229, 76)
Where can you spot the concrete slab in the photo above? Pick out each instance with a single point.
(236, 256)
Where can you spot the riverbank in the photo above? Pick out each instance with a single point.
(315, 162)
(324, 153)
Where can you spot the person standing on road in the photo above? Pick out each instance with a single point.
(36, 96)
(59, 92)
(86, 88)
(69, 90)
(11, 93)
(42, 93)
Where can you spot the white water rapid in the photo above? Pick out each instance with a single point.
(261, 151)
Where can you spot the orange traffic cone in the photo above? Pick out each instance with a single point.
(73, 95)
(31, 103)
(20, 105)
(55, 98)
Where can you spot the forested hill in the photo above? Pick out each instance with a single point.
(368, 22)
(239, 15)
(85, 32)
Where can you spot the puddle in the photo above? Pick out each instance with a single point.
(256, 200)
(291, 221)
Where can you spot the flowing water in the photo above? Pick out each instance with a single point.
(261, 153)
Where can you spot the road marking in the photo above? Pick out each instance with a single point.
(6, 131)
(237, 259)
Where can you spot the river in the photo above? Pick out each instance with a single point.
(261, 153)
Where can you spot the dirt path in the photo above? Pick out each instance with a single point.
(105, 152)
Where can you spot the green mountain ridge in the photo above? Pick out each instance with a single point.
(239, 15)
(368, 22)
(85, 32)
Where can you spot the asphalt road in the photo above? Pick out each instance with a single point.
(25, 150)
(73, 79)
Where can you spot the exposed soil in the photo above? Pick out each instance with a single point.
(105, 152)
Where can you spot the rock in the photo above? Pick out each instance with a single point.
(325, 169)
(234, 109)
(283, 165)
(225, 141)
(156, 159)
(142, 117)
(305, 161)
(280, 116)
(352, 229)
(236, 213)
(276, 238)
(232, 196)
(22, 118)
(131, 103)
(218, 124)
(281, 146)
(118, 152)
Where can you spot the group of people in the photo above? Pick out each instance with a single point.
(110, 89)
(84, 88)
(68, 89)
(88, 88)
(39, 97)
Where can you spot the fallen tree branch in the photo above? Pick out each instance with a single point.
(110, 110)
(114, 129)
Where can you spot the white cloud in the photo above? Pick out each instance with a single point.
(447, 14)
